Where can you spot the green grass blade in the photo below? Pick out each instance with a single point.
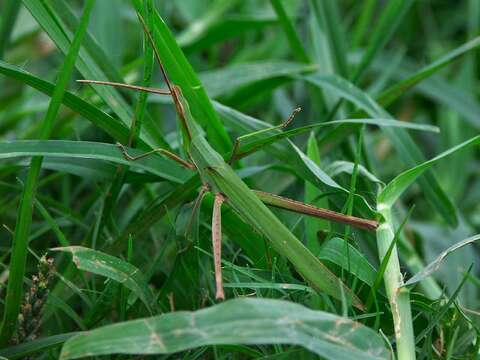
(24, 217)
(10, 9)
(400, 88)
(400, 183)
(334, 251)
(113, 268)
(199, 27)
(435, 264)
(390, 19)
(326, 13)
(239, 321)
(363, 22)
(182, 74)
(155, 164)
(251, 146)
(385, 260)
(312, 196)
(237, 76)
(289, 30)
(401, 140)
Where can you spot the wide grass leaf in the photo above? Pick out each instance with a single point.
(394, 92)
(335, 251)
(113, 268)
(239, 321)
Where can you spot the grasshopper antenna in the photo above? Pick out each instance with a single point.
(127, 86)
(174, 90)
(155, 51)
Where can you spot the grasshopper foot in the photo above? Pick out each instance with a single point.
(124, 151)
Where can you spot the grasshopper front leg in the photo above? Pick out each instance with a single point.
(167, 153)
(217, 244)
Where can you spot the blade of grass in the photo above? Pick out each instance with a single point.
(24, 217)
(385, 260)
(390, 19)
(327, 14)
(10, 10)
(363, 22)
(92, 113)
(444, 309)
(401, 182)
(113, 268)
(289, 30)
(249, 147)
(157, 165)
(435, 264)
(312, 193)
(394, 92)
(239, 321)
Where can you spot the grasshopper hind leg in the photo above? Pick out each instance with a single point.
(217, 244)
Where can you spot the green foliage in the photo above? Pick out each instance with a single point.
(389, 122)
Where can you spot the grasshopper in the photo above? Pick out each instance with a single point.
(218, 177)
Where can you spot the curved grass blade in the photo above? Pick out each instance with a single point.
(239, 321)
(252, 146)
(400, 183)
(157, 165)
(96, 116)
(113, 268)
(435, 264)
(401, 140)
